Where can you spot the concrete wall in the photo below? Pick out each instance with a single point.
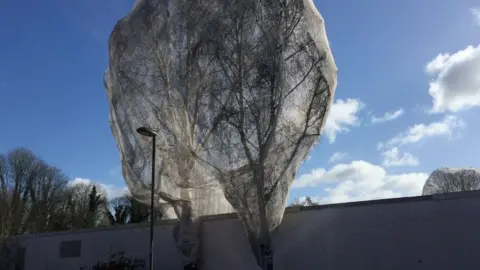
(429, 232)
(43, 251)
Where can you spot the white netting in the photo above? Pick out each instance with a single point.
(239, 91)
(445, 180)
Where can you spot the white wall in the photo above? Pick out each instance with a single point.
(400, 234)
(439, 232)
(43, 251)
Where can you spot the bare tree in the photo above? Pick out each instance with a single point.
(29, 191)
(19, 170)
(46, 192)
(117, 211)
(86, 206)
(126, 209)
(36, 197)
(239, 92)
(305, 201)
(447, 180)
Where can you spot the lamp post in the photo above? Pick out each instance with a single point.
(148, 132)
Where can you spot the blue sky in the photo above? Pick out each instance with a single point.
(53, 55)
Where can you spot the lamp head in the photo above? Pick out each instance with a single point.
(148, 132)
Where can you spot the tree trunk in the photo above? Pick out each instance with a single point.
(265, 241)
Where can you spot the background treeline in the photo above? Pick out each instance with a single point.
(37, 197)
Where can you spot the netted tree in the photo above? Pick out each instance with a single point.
(239, 92)
(126, 209)
(446, 180)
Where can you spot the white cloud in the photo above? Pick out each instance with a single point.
(417, 132)
(343, 115)
(388, 116)
(476, 15)
(456, 83)
(360, 180)
(112, 191)
(392, 157)
(337, 157)
(309, 179)
(80, 181)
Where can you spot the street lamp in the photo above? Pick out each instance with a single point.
(148, 132)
